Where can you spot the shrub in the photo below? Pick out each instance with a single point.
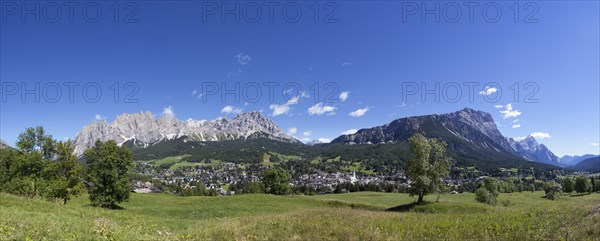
(568, 185)
(108, 169)
(482, 195)
(582, 184)
(552, 189)
(488, 191)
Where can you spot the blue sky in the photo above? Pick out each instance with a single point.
(374, 52)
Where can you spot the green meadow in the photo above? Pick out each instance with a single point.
(354, 216)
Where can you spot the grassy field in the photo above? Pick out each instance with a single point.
(355, 216)
(177, 162)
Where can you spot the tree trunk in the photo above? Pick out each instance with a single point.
(420, 197)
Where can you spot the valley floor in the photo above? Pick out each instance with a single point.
(354, 216)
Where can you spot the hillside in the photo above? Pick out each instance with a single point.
(588, 165)
(355, 216)
(573, 160)
(472, 136)
(382, 157)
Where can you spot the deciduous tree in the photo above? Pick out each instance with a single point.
(552, 189)
(568, 185)
(108, 168)
(427, 165)
(277, 181)
(582, 184)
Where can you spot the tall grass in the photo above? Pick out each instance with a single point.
(355, 216)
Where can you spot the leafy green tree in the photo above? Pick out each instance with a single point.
(597, 185)
(488, 191)
(247, 187)
(582, 184)
(63, 175)
(36, 139)
(427, 165)
(277, 181)
(482, 195)
(552, 189)
(492, 185)
(8, 157)
(508, 186)
(108, 169)
(40, 167)
(568, 185)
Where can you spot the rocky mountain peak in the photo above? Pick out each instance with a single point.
(529, 142)
(466, 124)
(145, 130)
(481, 120)
(530, 149)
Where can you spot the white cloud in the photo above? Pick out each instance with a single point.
(540, 135)
(516, 126)
(324, 140)
(279, 109)
(359, 112)
(344, 95)
(306, 133)
(349, 132)
(519, 138)
(243, 58)
(231, 109)
(498, 106)
(285, 108)
(169, 111)
(508, 112)
(488, 90)
(320, 109)
(292, 130)
(595, 144)
(99, 117)
(515, 121)
(294, 100)
(346, 63)
(194, 92)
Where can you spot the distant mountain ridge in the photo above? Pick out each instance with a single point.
(467, 124)
(143, 130)
(588, 165)
(573, 160)
(472, 135)
(531, 150)
(466, 130)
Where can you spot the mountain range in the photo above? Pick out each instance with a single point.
(467, 130)
(531, 150)
(143, 130)
(472, 137)
(591, 164)
(574, 160)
